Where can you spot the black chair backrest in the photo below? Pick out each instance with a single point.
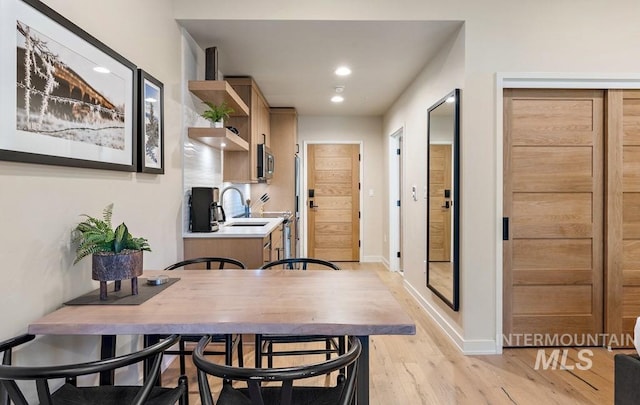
(6, 348)
(292, 263)
(220, 261)
(254, 377)
(41, 374)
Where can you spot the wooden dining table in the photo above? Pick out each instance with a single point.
(311, 302)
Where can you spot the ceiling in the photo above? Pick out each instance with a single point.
(293, 61)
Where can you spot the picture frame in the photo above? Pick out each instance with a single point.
(150, 124)
(66, 98)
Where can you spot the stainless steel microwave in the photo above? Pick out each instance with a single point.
(266, 162)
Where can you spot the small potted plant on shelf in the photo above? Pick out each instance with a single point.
(217, 113)
(117, 255)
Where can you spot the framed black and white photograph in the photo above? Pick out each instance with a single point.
(65, 97)
(151, 124)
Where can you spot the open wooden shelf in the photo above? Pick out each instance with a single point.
(217, 91)
(215, 137)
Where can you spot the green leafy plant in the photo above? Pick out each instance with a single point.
(95, 235)
(215, 112)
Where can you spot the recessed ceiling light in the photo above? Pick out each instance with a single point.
(337, 99)
(451, 99)
(222, 145)
(343, 71)
(101, 69)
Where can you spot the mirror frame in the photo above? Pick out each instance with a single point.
(455, 303)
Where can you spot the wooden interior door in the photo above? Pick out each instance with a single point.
(623, 216)
(440, 207)
(333, 179)
(553, 198)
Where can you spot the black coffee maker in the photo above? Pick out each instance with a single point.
(200, 209)
(217, 212)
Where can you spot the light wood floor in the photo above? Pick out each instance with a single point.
(428, 369)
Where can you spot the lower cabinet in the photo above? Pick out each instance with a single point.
(247, 250)
(277, 248)
(253, 252)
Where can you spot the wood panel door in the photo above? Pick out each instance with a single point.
(553, 197)
(333, 209)
(440, 206)
(623, 216)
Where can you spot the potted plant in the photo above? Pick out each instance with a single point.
(117, 255)
(217, 113)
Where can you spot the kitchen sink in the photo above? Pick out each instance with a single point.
(267, 214)
(247, 224)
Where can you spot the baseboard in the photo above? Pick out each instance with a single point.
(371, 259)
(480, 347)
(386, 263)
(467, 347)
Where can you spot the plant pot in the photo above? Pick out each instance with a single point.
(109, 266)
(218, 124)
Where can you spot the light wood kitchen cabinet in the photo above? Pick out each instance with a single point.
(284, 139)
(218, 91)
(277, 248)
(247, 250)
(241, 167)
(252, 251)
(282, 188)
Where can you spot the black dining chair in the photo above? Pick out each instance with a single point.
(229, 341)
(300, 263)
(264, 343)
(69, 393)
(261, 382)
(220, 262)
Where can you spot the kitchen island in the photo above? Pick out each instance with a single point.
(253, 241)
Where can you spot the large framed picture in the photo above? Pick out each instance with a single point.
(65, 97)
(150, 124)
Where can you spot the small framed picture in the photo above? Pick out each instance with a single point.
(150, 124)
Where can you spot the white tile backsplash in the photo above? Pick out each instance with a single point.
(202, 163)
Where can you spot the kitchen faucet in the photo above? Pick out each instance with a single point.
(242, 200)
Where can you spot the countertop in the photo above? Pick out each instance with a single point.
(227, 230)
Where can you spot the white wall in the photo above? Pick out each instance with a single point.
(367, 130)
(440, 77)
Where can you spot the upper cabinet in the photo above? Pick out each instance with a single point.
(217, 91)
(241, 167)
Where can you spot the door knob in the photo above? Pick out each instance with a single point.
(311, 205)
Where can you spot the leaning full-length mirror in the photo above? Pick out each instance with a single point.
(443, 203)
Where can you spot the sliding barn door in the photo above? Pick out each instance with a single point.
(553, 199)
(623, 215)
